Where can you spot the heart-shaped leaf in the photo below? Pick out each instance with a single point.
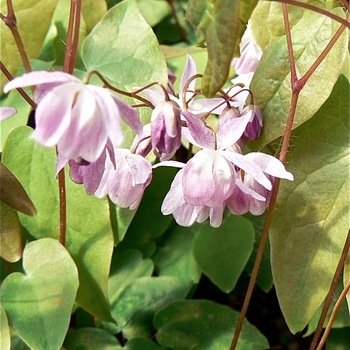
(39, 303)
(223, 252)
(5, 339)
(129, 53)
(308, 234)
(89, 234)
(205, 325)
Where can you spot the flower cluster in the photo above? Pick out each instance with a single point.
(84, 122)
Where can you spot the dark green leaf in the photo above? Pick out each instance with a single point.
(205, 325)
(223, 252)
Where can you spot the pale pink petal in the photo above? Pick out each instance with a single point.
(7, 112)
(53, 114)
(270, 165)
(189, 71)
(216, 215)
(140, 168)
(38, 78)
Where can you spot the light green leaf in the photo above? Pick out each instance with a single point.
(268, 15)
(346, 278)
(223, 252)
(5, 340)
(271, 81)
(91, 339)
(33, 22)
(138, 302)
(174, 256)
(124, 49)
(10, 234)
(39, 303)
(89, 234)
(154, 11)
(308, 234)
(205, 325)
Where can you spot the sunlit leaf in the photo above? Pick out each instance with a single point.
(271, 82)
(124, 49)
(223, 252)
(10, 234)
(5, 340)
(39, 303)
(89, 234)
(205, 325)
(32, 31)
(308, 234)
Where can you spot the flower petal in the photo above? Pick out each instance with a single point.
(7, 112)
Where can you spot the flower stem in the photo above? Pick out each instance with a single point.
(11, 21)
(270, 212)
(9, 76)
(330, 294)
(333, 315)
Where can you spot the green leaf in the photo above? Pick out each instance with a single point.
(91, 339)
(5, 341)
(125, 268)
(10, 234)
(271, 81)
(124, 49)
(338, 339)
(142, 343)
(89, 234)
(13, 194)
(154, 11)
(33, 22)
(174, 256)
(44, 295)
(308, 234)
(135, 307)
(223, 252)
(268, 15)
(205, 325)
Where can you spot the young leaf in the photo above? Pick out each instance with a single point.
(39, 303)
(308, 234)
(205, 325)
(223, 252)
(129, 53)
(89, 235)
(32, 31)
(271, 81)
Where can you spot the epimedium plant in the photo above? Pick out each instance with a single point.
(114, 231)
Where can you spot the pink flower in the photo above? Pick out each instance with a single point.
(75, 117)
(7, 112)
(125, 179)
(166, 129)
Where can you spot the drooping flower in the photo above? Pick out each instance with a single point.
(205, 184)
(75, 117)
(166, 129)
(125, 179)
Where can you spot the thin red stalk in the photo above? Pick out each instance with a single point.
(315, 9)
(69, 43)
(69, 62)
(270, 212)
(74, 52)
(331, 292)
(9, 76)
(11, 21)
(333, 315)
